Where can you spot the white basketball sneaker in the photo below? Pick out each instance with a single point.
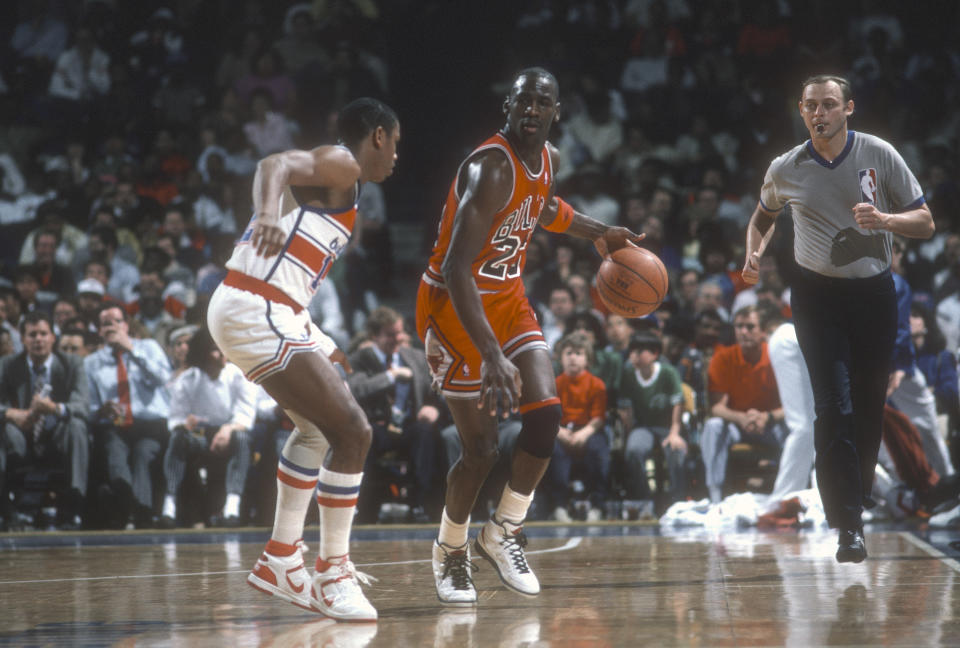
(451, 573)
(502, 542)
(282, 576)
(336, 592)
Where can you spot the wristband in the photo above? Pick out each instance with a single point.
(564, 218)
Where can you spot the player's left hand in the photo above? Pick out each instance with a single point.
(869, 217)
(614, 239)
(267, 238)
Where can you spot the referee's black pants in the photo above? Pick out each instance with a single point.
(846, 329)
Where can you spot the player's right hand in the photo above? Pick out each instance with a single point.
(266, 239)
(751, 269)
(500, 386)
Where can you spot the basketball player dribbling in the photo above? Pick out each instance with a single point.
(484, 346)
(305, 204)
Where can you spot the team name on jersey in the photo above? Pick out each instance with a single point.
(510, 239)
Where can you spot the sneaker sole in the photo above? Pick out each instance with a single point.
(349, 619)
(480, 550)
(851, 556)
(258, 583)
(455, 603)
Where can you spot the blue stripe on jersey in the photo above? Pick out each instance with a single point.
(286, 246)
(311, 472)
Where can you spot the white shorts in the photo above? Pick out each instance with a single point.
(260, 336)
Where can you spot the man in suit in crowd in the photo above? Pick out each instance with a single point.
(44, 401)
(391, 381)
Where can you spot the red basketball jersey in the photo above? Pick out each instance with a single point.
(504, 254)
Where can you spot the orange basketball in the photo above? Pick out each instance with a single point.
(632, 282)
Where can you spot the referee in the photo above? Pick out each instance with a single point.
(849, 193)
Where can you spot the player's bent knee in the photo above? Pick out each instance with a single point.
(540, 424)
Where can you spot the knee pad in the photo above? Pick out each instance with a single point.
(540, 424)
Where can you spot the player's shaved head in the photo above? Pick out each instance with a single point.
(535, 72)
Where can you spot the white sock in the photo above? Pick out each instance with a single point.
(170, 506)
(451, 533)
(231, 508)
(337, 499)
(513, 505)
(296, 479)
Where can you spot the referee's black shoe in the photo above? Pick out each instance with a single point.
(851, 546)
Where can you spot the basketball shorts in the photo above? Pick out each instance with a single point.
(453, 359)
(261, 336)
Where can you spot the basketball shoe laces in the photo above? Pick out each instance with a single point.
(514, 543)
(458, 568)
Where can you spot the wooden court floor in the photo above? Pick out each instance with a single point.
(603, 585)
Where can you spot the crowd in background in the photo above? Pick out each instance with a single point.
(131, 131)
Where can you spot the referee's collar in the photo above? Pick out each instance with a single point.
(839, 159)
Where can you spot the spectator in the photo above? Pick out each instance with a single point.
(326, 313)
(560, 306)
(212, 409)
(619, 332)
(6, 343)
(124, 276)
(178, 343)
(51, 216)
(268, 74)
(11, 313)
(44, 402)
(180, 280)
(55, 279)
(90, 298)
(75, 342)
(64, 310)
(158, 311)
(796, 398)
(26, 283)
(391, 382)
(744, 403)
(129, 405)
(188, 245)
(591, 197)
(939, 367)
(605, 365)
(81, 72)
(651, 407)
(907, 389)
(268, 131)
(581, 439)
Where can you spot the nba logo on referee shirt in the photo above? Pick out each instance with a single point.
(868, 186)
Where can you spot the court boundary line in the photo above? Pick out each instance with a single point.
(571, 543)
(930, 549)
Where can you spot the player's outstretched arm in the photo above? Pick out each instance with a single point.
(324, 166)
(489, 182)
(559, 216)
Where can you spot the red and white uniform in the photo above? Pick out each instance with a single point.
(258, 316)
(497, 269)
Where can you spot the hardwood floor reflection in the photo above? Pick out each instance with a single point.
(602, 586)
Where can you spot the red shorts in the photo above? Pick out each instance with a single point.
(454, 360)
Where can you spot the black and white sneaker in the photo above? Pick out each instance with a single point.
(502, 543)
(452, 574)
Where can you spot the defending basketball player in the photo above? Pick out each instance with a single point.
(483, 343)
(305, 205)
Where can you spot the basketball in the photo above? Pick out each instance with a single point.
(632, 282)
